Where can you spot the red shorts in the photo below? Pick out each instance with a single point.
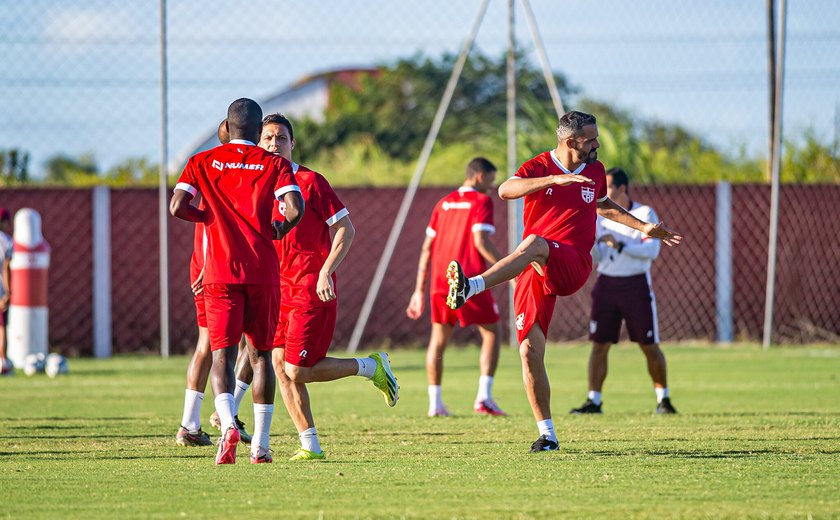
(628, 298)
(234, 309)
(565, 273)
(200, 312)
(481, 309)
(305, 334)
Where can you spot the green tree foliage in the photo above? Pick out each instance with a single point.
(372, 133)
(14, 167)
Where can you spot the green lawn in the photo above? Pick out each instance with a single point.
(758, 435)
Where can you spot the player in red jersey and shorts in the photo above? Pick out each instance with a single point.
(564, 190)
(190, 432)
(460, 227)
(239, 183)
(308, 259)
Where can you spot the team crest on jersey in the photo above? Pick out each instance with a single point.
(520, 321)
(587, 193)
(281, 207)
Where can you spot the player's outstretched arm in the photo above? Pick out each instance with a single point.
(344, 234)
(416, 303)
(516, 187)
(609, 209)
(180, 207)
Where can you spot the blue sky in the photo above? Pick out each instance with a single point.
(83, 76)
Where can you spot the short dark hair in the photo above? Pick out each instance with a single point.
(572, 123)
(279, 119)
(619, 177)
(244, 116)
(479, 164)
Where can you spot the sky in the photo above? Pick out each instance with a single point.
(84, 77)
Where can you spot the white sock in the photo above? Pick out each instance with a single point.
(367, 367)
(474, 286)
(192, 410)
(309, 440)
(262, 427)
(661, 393)
(435, 398)
(595, 397)
(238, 394)
(546, 428)
(224, 407)
(485, 388)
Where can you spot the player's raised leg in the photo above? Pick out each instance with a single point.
(376, 368)
(533, 249)
(296, 398)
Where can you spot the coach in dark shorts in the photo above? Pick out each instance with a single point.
(623, 292)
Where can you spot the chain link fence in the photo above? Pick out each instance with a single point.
(80, 97)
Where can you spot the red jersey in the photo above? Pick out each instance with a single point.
(304, 250)
(454, 220)
(563, 213)
(238, 182)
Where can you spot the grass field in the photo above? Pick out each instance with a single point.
(758, 435)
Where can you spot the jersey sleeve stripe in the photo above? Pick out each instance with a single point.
(490, 228)
(286, 189)
(431, 232)
(183, 186)
(602, 199)
(338, 216)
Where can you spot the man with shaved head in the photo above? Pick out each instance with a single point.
(240, 183)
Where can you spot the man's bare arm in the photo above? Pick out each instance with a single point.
(486, 248)
(516, 188)
(344, 234)
(180, 207)
(609, 209)
(415, 304)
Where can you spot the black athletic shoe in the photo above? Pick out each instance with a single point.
(587, 407)
(544, 444)
(457, 282)
(665, 406)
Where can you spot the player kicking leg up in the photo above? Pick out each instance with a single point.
(301, 343)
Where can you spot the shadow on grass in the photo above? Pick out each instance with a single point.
(77, 454)
(705, 454)
(68, 419)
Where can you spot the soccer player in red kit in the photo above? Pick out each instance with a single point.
(460, 227)
(308, 261)
(565, 190)
(190, 432)
(239, 183)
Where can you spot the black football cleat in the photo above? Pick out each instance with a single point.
(544, 444)
(665, 406)
(587, 407)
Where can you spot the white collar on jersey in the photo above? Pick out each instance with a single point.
(563, 168)
(241, 141)
(465, 189)
(295, 166)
